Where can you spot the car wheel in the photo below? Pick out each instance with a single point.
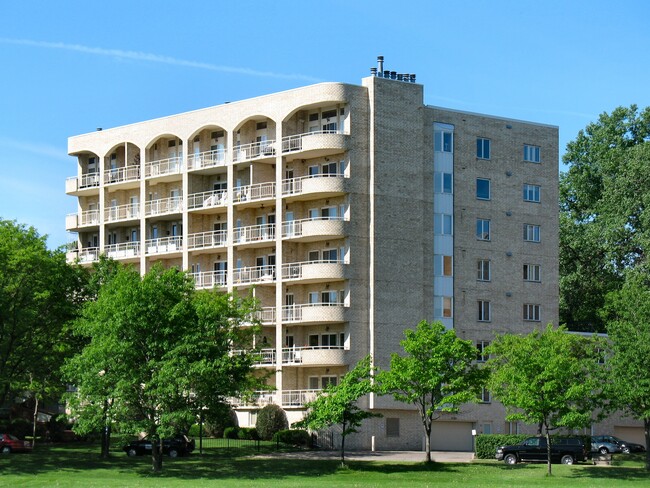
(5, 450)
(603, 450)
(567, 459)
(132, 452)
(173, 453)
(626, 450)
(510, 459)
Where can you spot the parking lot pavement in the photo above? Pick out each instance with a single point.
(399, 456)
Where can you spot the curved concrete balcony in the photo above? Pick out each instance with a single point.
(206, 161)
(125, 178)
(216, 239)
(87, 184)
(313, 313)
(307, 230)
(248, 196)
(254, 235)
(86, 219)
(164, 245)
(208, 202)
(314, 271)
(164, 169)
(254, 275)
(314, 356)
(124, 251)
(163, 206)
(122, 213)
(209, 279)
(317, 186)
(263, 151)
(314, 144)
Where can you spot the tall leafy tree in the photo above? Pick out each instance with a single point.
(549, 378)
(604, 217)
(337, 404)
(158, 353)
(39, 294)
(627, 313)
(436, 374)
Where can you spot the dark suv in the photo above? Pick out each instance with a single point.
(177, 446)
(565, 450)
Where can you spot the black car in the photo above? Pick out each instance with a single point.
(177, 446)
(626, 447)
(565, 450)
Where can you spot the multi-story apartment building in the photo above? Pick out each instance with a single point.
(352, 212)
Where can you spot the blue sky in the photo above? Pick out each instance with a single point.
(69, 67)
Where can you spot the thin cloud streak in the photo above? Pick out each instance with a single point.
(36, 148)
(156, 58)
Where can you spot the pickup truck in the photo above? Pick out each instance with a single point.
(565, 450)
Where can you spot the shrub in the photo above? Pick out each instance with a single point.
(248, 433)
(270, 420)
(231, 433)
(293, 437)
(486, 444)
(217, 420)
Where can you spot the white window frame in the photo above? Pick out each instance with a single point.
(486, 396)
(483, 270)
(482, 346)
(484, 311)
(443, 224)
(443, 140)
(532, 272)
(483, 148)
(442, 262)
(532, 233)
(532, 312)
(443, 307)
(489, 189)
(532, 193)
(443, 182)
(532, 153)
(482, 235)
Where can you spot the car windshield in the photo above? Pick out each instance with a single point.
(12, 437)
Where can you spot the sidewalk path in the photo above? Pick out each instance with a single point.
(400, 456)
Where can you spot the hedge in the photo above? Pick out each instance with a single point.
(293, 437)
(486, 444)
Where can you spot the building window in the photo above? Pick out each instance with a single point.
(531, 193)
(442, 224)
(482, 355)
(531, 233)
(485, 396)
(531, 312)
(442, 265)
(482, 189)
(483, 148)
(487, 428)
(442, 307)
(442, 183)
(483, 229)
(532, 272)
(531, 154)
(443, 141)
(392, 427)
(483, 270)
(483, 311)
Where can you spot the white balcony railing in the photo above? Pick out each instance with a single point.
(87, 217)
(257, 398)
(130, 211)
(298, 228)
(295, 142)
(299, 312)
(162, 167)
(207, 159)
(207, 199)
(251, 193)
(296, 186)
(123, 250)
(296, 271)
(289, 398)
(254, 274)
(88, 255)
(119, 175)
(298, 398)
(290, 355)
(207, 240)
(88, 180)
(254, 150)
(164, 245)
(209, 279)
(163, 206)
(254, 233)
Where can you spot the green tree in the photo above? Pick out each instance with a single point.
(39, 294)
(337, 404)
(270, 420)
(436, 374)
(549, 378)
(157, 353)
(604, 218)
(627, 313)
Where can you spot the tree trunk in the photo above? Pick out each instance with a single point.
(106, 433)
(35, 419)
(548, 451)
(427, 442)
(156, 455)
(343, 444)
(646, 425)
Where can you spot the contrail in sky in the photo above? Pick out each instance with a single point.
(155, 58)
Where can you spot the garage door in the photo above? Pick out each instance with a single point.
(451, 436)
(630, 434)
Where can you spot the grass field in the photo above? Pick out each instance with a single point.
(80, 466)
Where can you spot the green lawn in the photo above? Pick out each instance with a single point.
(80, 466)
